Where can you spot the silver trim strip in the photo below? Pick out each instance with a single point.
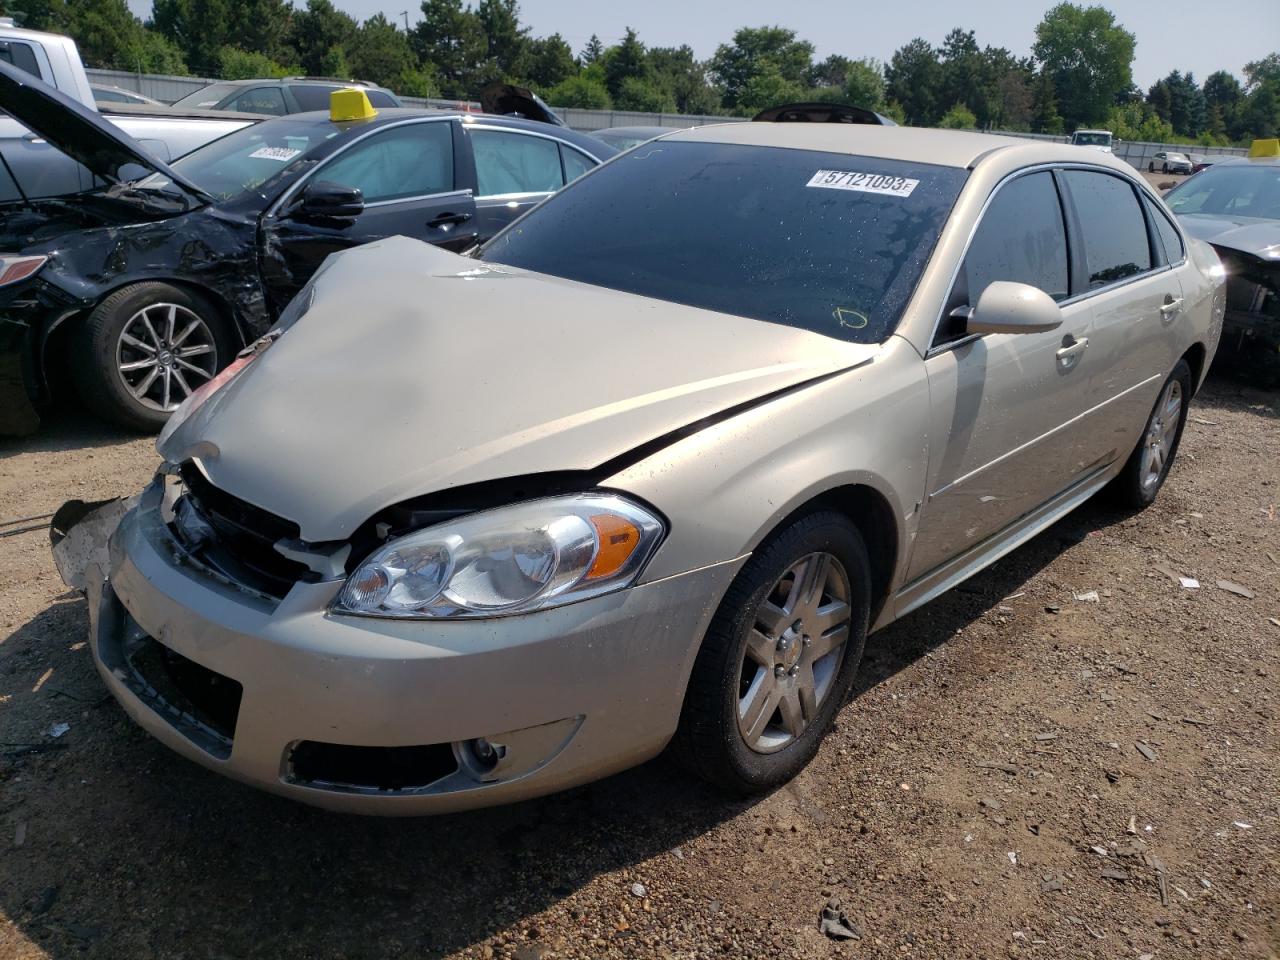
(1044, 436)
(423, 196)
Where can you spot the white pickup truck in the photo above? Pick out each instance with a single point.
(30, 167)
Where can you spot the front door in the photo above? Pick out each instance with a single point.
(406, 175)
(1007, 425)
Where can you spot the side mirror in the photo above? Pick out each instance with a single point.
(326, 200)
(1006, 307)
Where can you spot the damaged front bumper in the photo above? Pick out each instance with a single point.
(381, 716)
(1251, 327)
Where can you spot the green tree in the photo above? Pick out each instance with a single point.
(380, 52)
(318, 35)
(581, 91)
(1045, 117)
(1090, 58)
(625, 61)
(768, 88)
(645, 95)
(1262, 71)
(592, 52)
(201, 28)
(1013, 107)
(236, 64)
(831, 72)
(451, 40)
(959, 117)
(864, 84)
(1260, 114)
(546, 61)
(772, 57)
(505, 37)
(1222, 95)
(913, 80)
(678, 72)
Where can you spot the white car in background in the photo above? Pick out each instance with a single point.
(1098, 139)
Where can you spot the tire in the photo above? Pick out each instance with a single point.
(1140, 481)
(1164, 168)
(109, 369)
(728, 676)
(1151, 166)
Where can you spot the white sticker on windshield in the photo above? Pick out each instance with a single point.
(863, 182)
(283, 154)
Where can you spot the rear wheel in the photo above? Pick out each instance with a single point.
(1147, 467)
(779, 657)
(144, 349)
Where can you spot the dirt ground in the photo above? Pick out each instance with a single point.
(1021, 773)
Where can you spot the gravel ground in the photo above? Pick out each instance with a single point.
(1022, 773)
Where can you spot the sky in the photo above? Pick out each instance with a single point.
(1172, 34)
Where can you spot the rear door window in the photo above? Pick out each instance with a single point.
(1115, 233)
(20, 55)
(575, 163)
(380, 99)
(261, 100)
(509, 162)
(1170, 241)
(311, 96)
(413, 160)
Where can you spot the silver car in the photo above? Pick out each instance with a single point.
(646, 468)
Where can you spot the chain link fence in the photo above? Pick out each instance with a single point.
(1139, 154)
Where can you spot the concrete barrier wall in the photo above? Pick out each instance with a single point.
(168, 89)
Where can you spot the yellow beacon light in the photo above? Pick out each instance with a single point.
(350, 104)
(1265, 148)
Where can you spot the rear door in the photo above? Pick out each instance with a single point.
(406, 173)
(1008, 430)
(1136, 299)
(515, 169)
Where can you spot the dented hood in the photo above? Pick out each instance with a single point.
(1247, 234)
(417, 370)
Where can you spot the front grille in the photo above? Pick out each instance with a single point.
(242, 542)
(337, 766)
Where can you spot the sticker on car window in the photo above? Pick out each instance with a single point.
(863, 182)
(282, 154)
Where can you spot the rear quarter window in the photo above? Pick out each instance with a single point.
(1115, 233)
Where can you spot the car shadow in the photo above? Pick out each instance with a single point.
(131, 849)
(65, 427)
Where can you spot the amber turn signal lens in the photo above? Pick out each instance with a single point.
(618, 540)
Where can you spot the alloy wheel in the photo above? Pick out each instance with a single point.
(165, 351)
(793, 653)
(1161, 432)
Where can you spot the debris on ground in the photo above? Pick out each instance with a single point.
(1147, 751)
(1089, 596)
(58, 729)
(639, 890)
(836, 924)
(1237, 589)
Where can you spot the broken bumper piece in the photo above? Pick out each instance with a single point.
(388, 717)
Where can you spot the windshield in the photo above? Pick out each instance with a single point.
(243, 161)
(1082, 139)
(208, 97)
(825, 242)
(1240, 190)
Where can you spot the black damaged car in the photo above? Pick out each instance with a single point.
(151, 283)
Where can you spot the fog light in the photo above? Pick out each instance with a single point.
(486, 754)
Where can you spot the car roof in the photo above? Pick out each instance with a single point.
(295, 81)
(948, 148)
(385, 115)
(637, 131)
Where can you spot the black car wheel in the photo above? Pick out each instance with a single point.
(779, 657)
(144, 349)
(1151, 166)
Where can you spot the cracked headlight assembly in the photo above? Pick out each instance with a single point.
(515, 559)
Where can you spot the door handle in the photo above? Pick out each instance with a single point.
(444, 220)
(1069, 353)
(1171, 307)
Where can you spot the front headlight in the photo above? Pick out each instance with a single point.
(511, 560)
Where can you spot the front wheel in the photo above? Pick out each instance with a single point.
(144, 349)
(1151, 167)
(779, 658)
(1145, 471)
